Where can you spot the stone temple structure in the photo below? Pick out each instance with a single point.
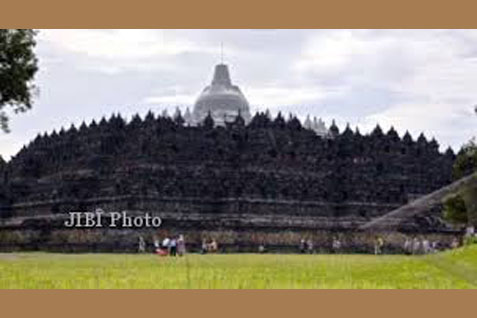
(240, 180)
(222, 99)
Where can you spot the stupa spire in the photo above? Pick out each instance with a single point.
(221, 75)
(221, 52)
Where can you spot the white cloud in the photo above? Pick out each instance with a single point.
(333, 51)
(450, 124)
(179, 99)
(280, 96)
(417, 80)
(117, 44)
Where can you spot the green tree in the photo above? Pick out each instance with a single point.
(455, 210)
(18, 66)
(461, 207)
(466, 161)
(469, 195)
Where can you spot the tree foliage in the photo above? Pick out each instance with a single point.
(18, 66)
(466, 161)
(455, 210)
(469, 195)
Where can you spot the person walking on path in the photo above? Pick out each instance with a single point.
(141, 245)
(407, 246)
(309, 246)
(165, 246)
(426, 246)
(336, 245)
(378, 245)
(204, 247)
(454, 243)
(156, 243)
(181, 250)
(173, 247)
(302, 246)
(213, 246)
(416, 245)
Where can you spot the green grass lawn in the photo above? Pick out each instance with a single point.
(452, 269)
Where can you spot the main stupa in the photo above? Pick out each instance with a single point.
(223, 100)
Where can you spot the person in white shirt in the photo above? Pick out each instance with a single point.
(165, 244)
(416, 245)
(181, 250)
(426, 246)
(172, 247)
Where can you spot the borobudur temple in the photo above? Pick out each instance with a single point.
(245, 180)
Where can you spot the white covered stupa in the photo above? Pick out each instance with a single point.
(223, 100)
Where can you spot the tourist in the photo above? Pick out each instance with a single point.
(416, 245)
(336, 245)
(378, 245)
(173, 247)
(141, 245)
(181, 250)
(309, 246)
(302, 246)
(157, 245)
(407, 246)
(213, 246)
(165, 242)
(426, 246)
(262, 249)
(165, 246)
(455, 243)
(204, 247)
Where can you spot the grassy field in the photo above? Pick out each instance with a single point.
(452, 269)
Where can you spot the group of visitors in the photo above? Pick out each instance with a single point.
(209, 246)
(416, 245)
(411, 246)
(174, 246)
(306, 246)
(425, 246)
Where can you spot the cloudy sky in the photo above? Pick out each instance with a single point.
(416, 80)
